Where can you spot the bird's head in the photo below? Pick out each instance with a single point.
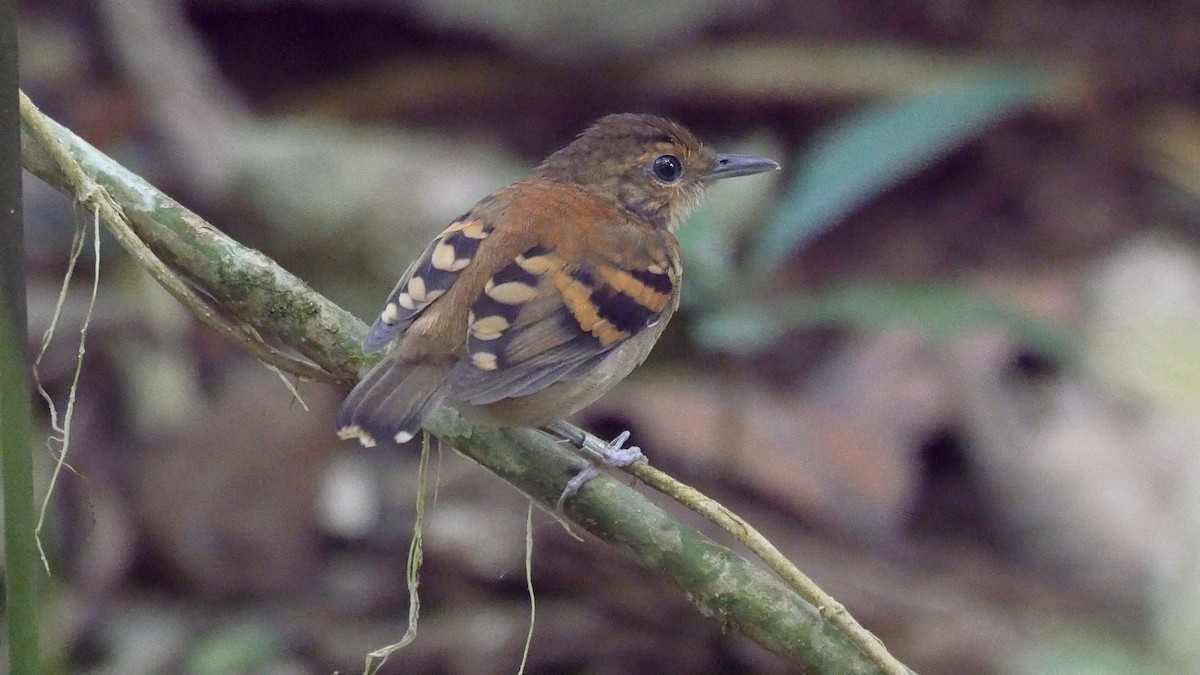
(652, 166)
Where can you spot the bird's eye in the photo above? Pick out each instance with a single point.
(667, 168)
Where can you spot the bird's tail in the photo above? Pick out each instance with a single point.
(391, 402)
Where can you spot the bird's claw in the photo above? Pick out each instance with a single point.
(585, 474)
(612, 453)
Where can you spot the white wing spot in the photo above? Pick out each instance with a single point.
(443, 257)
(416, 289)
(536, 265)
(404, 436)
(489, 327)
(390, 313)
(405, 300)
(484, 360)
(510, 292)
(474, 230)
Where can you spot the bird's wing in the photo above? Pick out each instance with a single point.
(428, 277)
(546, 317)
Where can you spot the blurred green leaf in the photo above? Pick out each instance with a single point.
(235, 649)
(708, 250)
(877, 149)
(1081, 652)
(941, 310)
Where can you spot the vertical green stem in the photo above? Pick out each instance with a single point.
(21, 568)
(20, 554)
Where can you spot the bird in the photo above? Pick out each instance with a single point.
(546, 293)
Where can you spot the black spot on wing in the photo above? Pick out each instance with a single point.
(485, 306)
(435, 279)
(657, 281)
(535, 251)
(464, 246)
(584, 276)
(514, 272)
(622, 311)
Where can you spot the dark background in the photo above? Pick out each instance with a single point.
(983, 443)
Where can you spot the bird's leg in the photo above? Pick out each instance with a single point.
(585, 474)
(612, 453)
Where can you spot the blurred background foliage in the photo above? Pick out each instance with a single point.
(949, 360)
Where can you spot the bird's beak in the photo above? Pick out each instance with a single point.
(730, 166)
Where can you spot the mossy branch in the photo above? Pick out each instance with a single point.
(262, 298)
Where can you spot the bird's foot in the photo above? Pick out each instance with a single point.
(612, 453)
(585, 474)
